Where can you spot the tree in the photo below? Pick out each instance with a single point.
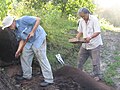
(71, 6)
(66, 7)
(5, 5)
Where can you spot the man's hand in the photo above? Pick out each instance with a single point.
(88, 39)
(31, 34)
(17, 54)
(79, 35)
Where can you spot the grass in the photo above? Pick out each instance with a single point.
(111, 71)
(58, 30)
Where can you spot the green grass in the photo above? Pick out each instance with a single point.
(105, 25)
(111, 70)
(58, 29)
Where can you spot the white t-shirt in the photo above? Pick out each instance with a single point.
(88, 29)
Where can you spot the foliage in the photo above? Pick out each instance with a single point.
(105, 25)
(58, 35)
(66, 7)
(36, 4)
(5, 5)
(21, 9)
(71, 6)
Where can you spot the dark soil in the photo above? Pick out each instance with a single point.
(65, 78)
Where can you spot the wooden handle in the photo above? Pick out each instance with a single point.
(24, 43)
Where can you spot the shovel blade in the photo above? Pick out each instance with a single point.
(59, 59)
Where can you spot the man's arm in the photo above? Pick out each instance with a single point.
(19, 50)
(79, 34)
(94, 35)
(91, 37)
(35, 27)
(96, 28)
(36, 24)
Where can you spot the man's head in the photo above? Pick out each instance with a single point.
(84, 13)
(8, 22)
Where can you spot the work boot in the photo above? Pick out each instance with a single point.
(21, 78)
(45, 84)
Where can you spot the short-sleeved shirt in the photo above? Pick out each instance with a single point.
(88, 29)
(24, 26)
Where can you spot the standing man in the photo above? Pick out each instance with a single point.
(28, 26)
(89, 28)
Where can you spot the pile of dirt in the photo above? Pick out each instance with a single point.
(82, 80)
(65, 78)
(8, 47)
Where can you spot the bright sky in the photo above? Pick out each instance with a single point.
(108, 3)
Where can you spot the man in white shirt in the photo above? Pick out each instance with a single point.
(89, 28)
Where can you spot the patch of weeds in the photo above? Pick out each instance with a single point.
(111, 71)
(88, 66)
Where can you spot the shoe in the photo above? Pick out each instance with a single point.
(20, 78)
(45, 84)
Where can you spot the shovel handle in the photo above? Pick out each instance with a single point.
(24, 43)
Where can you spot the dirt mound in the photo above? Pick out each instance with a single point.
(8, 47)
(84, 80)
(66, 78)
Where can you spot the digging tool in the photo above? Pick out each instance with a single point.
(24, 43)
(59, 59)
(72, 40)
(23, 46)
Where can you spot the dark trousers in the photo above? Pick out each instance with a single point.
(84, 54)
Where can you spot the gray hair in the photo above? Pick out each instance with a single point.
(84, 10)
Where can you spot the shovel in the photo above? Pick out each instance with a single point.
(72, 40)
(24, 43)
(23, 46)
(59, 59)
